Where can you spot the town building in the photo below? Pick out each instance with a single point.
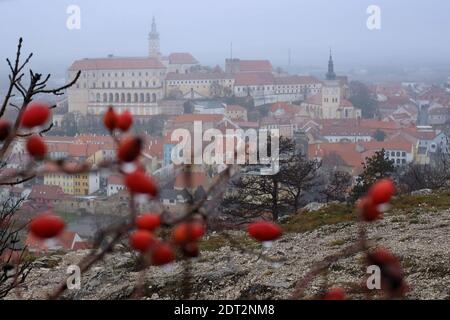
(198, 85)
(132, 83)
(331, 102)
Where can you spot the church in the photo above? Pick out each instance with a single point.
(332, 100)
(132, 83)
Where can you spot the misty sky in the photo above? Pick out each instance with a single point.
(412, 31)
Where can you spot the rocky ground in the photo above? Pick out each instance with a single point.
(421, 241)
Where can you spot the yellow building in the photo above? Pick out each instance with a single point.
(81, 184)
(65, 181)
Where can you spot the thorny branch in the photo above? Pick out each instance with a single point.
(14, 273)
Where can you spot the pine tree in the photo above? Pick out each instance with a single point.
(376, 167)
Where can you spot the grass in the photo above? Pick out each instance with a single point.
(216, 241)
(332, 214)
(335, 213)
(411, 205)
(431, 202)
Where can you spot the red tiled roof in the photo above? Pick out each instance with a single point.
(393, 102)
(396, 143)
(346, 151)
(422, 135)
(235, 107)
(67, 241)
(254, 79)
(198, 76)
(346, 103)
(116, 64)
(296, 79)
(182, 58)
(46, 192)
(115, 180)
(255, 66)
(345, 131)
(377, 124)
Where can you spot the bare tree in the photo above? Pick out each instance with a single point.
(13, 262)
(338, 185)
(253, 195)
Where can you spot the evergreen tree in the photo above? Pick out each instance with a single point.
(376, 167)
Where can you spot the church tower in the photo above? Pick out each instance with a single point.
(330, 74)
(153, 41)
(331, 93)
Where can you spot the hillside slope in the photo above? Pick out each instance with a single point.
(418, 235)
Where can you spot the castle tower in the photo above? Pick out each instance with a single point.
(153, 41)
(331, 93)
(330, 74)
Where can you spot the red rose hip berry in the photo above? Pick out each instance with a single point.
(36, 147)
(46, 226)
(148, 221)
(142, 240)
(163, 254)
(129, 148)
(35, 114)
(368, 210)
(124, 121)
(188, 232)
(264, 231)
(139, 182)
(334, 294)
(382, 191)
(110, 119)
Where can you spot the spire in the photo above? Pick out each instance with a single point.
(330, 74)
(153, 39)
(154, 25)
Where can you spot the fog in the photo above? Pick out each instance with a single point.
(412, 32)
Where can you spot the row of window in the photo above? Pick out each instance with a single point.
(126, 98)
(175, 82)
(134, 84)
(397, 153)
(123, 74)
(278, 90)
(140, 110)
